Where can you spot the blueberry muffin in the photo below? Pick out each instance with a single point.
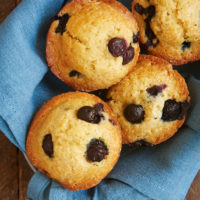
(74, 139)
(169, 29)
(150, 103)
(92, 44)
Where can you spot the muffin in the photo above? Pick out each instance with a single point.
(74, 139)
(169, 29)
(150, 103)
(92, 44)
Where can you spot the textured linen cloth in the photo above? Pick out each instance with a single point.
(162, 172)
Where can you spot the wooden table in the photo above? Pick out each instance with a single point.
(15, 172)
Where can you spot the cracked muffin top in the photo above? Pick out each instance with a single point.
(74, 139)
(169, 28)
(92, 44)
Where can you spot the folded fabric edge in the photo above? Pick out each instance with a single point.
(37, 186)
(4, 128)
(189, 173)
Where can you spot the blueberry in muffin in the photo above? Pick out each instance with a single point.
(92, 45)
(74, 139)
(169, 29)
(150, 103)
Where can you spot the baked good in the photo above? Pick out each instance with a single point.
(169, 29)
(74, 139)
(150, 103)
(92, 44)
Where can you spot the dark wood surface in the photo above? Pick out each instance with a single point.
(15, 172)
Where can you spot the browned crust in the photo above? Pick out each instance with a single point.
(162, 53)
(77, 4)
(167, 133)
(184, 60)
(178, 78)
(169, 68)
(154, 60)
(43, 111)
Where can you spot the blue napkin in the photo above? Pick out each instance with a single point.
(162, 172)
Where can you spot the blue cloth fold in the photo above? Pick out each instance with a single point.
(162, 172)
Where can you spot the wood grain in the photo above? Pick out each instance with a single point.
(194, 192)
(15, 172)
(6, 6)
(8, 169)
(25, 174)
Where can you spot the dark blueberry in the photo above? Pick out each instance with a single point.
(112, 122)
(174, 110)
(96, 150)
(91, 114)
(171, 110)
(154, 90)
(99, 107)
(140, 143)
(143, 48)
(150, 12)
(47, 145)
(88, 114)
(184, 108)
(128, 56)
(61, 28)
(136, 37)
(148, 44)
(152, 41)
(117, 47)
(139, 8)
(56, 17)
(149, 33)
(74, 73)
(185, 45)
(101, 94)
(134, 113)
